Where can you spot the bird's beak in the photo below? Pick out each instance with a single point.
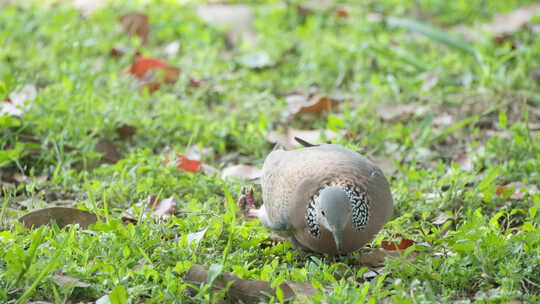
(337, 239)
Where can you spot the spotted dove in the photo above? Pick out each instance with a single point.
(326, 198)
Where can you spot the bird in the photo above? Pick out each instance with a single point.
(325, 198)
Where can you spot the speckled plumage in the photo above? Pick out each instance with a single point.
(292, 180)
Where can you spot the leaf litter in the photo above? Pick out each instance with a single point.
(63, 216)
(136, 24)
(19, 101)
(248, 290)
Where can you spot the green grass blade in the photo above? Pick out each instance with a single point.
(434, 33)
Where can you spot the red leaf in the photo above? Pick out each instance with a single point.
(142, 65)
(403, 244)
(186, 164)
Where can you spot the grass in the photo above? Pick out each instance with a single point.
(489, 252)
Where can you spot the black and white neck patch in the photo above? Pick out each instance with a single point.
(359, 208)
(311, 217)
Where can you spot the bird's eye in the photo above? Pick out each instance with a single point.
(323, 213)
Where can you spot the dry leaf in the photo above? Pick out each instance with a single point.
(443, 120)
(374, 257)
(136, 24)
(503, 24)
(126, 132)
(196, 236)
(19, 101)
(194, 83)
(62, 280)
(196, 152)
(186, 164)
(117, 52)
(442, 218)
(151, 86)
(249, 291)
(241, 171)
(61, 215)
(430, 82)
(144, 68)
(341, 13)
(208, 169)
(391, 245)
(237, 19)
(301, 103)
(520, 190)
(142, 65)
(109, 151)
(171, 49)
(21, 178)
(400, 112)
(164, 207)
(464, 161)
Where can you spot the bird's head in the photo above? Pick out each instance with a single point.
(334, 212)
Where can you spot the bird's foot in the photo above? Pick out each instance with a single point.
(246, 202)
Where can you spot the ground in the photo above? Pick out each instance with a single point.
(443, 95)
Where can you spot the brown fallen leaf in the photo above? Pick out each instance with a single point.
(61, 215)
(109, 151)
(126, 132)
(117, 52)
(250, 291)
(63, 280)
(241, 171)
(288, 142)
(374, 257)
(136, 24)
(341, 13)
(401, 112)
(402, 245)
(309, 103)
